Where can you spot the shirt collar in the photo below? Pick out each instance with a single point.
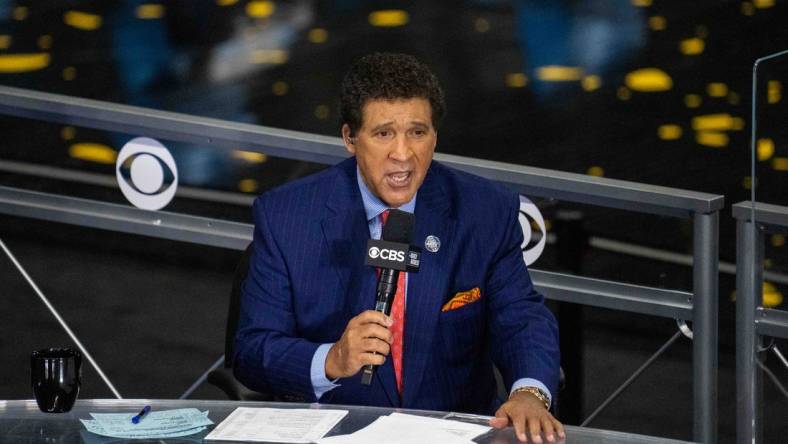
(373, 206)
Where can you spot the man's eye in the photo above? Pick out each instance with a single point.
(384, 133)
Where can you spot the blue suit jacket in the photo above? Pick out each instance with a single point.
(307, 279)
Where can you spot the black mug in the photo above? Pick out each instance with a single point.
(56, 375)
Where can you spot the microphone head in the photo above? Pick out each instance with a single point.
(399, 227)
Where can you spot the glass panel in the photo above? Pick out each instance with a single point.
(151, 312)
(81, 162)
(612, 244)
(770, 153)
(770, 163)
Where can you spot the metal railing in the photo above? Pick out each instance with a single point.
(698, 306)
(754, 322)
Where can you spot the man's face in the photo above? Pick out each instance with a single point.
(393, 147)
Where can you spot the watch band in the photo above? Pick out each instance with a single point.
(537, 392)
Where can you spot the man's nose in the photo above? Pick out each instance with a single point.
(401, 150)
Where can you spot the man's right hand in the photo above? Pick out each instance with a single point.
(366, 340)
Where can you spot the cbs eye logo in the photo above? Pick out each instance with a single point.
(147, 174)
(533, 243)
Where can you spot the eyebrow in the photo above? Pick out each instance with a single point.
(382, 125)
(391, 122)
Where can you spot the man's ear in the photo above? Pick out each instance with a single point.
(347, 139)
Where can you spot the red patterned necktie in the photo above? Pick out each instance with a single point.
(398, 316)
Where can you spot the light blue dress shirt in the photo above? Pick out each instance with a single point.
(373, 206)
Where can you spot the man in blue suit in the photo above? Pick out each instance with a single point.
(306, 326)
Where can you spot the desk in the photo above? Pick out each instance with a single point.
(21, 421)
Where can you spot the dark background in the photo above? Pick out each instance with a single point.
(152, 312)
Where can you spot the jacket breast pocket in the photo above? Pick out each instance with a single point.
(463, 331)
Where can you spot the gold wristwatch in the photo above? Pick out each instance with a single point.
(539, 393)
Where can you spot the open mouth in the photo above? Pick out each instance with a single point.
(399, 179)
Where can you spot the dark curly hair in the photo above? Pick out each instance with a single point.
(388, 76)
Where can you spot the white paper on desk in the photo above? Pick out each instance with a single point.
(404, 429)
(459, 428)
(276, 425)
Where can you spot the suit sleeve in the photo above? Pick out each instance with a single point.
(269, 355)
(524, 332)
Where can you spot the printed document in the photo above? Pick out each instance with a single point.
(399, 428)
(276, 425)
(156, 424)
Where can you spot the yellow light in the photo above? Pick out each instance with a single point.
(693, 100)
(322, 112)
(279, 88)
(82, 20)
(250, 156)
(93, 152)
(778, 240)
(69, 73)
(260, 9)
(738, 124)
(649, 80)
(717, 89)
(226, 2)
(712, 139)
(268, 56)
(746, 183)
(669, 132)
(248, 185)
(780, 163)
(763, 4)
(771, 296)
(714, 122)
(45, 41)
(596, 171)
(481, 25)
(150, 11)
(765, 149)
(68, 133)
(14, 63)
(388, 18)
(693, 46)
(747, 8)
(733, 98)
(642, 3)
(5, 41)
(317, 35)
(657, 23)
(20, 13)
(555, 73)
(516, 80)
(591, 83)
(623, 93)
(775, 91)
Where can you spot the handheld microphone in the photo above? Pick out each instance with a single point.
(391, 254)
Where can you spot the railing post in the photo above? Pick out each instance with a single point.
(571, 246)
(705, 283)
(749, 281)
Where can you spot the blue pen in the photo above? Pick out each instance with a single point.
(140, 415)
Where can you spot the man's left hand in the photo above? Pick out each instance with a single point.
(526, 412)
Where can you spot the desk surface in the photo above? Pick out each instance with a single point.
(21, 421)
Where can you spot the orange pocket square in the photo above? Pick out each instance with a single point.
(462, 298)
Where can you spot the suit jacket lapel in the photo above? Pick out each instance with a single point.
(346, 233)
(427, 287)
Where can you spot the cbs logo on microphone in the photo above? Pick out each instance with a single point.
(146, 173)
(387, 254)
